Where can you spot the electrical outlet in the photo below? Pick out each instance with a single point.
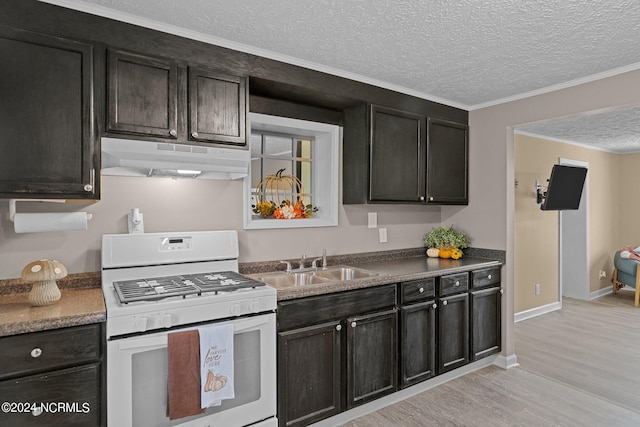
(602, 274)
(382, 232)
(537, 288)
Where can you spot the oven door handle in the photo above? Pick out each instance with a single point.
(160, 340)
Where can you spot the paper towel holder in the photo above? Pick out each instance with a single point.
(12, 205)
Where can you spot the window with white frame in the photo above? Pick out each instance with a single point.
(293, 180)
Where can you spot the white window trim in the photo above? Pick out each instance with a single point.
(326, 152)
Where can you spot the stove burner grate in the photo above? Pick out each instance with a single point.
(181, 285)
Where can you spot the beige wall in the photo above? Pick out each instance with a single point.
(189, 205)
(490, 215)
(630, 194)
(537, 232)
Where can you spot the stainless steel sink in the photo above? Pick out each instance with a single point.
(344, 272)
(293, 279)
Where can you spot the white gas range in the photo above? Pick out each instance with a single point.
(156, 284)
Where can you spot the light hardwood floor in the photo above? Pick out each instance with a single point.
(579, 366)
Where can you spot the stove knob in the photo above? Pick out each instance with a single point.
(166, 320)
(141, 324)
(254, 306)
(236, 309)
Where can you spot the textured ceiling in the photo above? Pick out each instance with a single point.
(466, 53)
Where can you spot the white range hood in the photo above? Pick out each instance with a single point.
(129, 157)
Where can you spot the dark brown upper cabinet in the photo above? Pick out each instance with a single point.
(447, 162)
(217, 107)
(397, 149)
(394, 156)
(142, 95)
(48, 140)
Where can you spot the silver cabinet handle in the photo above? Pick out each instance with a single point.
(421, 290)
(444, 302)
(434, 306)
(173, 132)
(457, 283)
(88, 187)
(36, 352)
(338, 327)
(501, 291)
(431, 198)
(194, 134)
(353, 324)
(422, 198)
(489, 277)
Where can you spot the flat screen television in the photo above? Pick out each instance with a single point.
(565, 188)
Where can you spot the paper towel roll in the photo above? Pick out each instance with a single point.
(40, 222)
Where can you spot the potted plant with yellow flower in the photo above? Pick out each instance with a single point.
(445, 242)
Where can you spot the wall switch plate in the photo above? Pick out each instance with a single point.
(382, 232)
(537, 288)
(373, 220)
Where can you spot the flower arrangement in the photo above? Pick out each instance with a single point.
(447, 241)
(275, 195)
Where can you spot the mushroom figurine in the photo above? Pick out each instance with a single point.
(43, 273)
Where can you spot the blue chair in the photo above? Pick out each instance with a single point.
(626, 272)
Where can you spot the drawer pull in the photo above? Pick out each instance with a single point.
(37, 410)
(444, 302)
(353, 324)
(489, 277)
(421, 290)
(338, 327)
(501, 291)
(173, 132)
(457, 283)
(36, 352)
(434, 306)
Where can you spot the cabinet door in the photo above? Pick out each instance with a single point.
(447, 162)
(76, 388)
(485, 322)
(417, 342)
(309, 369)
(371, 356)
(453, 332)
(142, 95)
(217, 107)
(48, 141)
(397, 156)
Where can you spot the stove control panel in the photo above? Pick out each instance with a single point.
(172, 244)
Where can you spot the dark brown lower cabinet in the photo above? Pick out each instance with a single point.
(309, 363)
(371, 356)
(485, 322)
(417, 343)
(453, 332)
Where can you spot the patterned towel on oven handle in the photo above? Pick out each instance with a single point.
(216, 364)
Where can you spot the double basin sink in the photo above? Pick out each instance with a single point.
(311, 277)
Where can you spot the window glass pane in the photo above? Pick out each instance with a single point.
(277, 146)
(303, 148)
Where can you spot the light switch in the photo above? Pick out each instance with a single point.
(373, 219)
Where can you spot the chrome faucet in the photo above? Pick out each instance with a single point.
(288, 265)
(302, 258)
(314, 264)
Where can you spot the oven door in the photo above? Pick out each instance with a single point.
(137, 379)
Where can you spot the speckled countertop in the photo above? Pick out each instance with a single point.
(390, 270)
(81, 303)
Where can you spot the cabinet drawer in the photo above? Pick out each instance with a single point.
(417, 290)
(453, 284)
(307, 311)
(485, 277)
(40, 351)
(75, 388)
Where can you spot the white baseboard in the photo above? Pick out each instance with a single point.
(600, 292)
(506, 362)
(534, 312)
(398, 396)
